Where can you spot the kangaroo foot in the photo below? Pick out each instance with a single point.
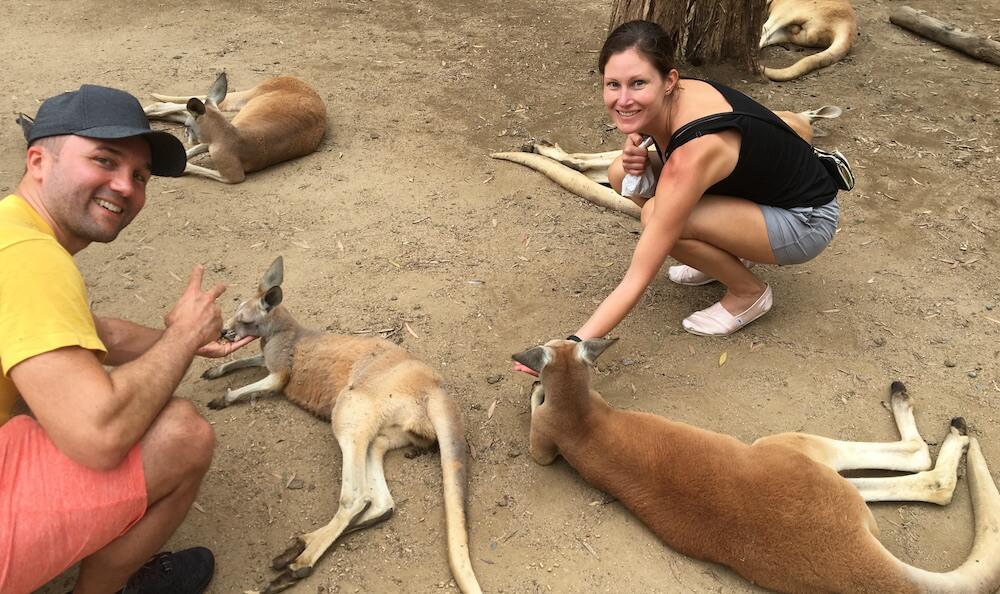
(286, 579)
(291, 554)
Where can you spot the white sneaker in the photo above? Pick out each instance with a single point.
(692, 277)
(717, 321)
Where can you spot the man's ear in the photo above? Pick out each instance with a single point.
(33, 160)
(534, 358)
(589, 350)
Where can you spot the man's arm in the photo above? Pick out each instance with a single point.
(95, 417)
(125, 340)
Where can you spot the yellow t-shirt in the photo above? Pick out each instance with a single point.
(43, 300)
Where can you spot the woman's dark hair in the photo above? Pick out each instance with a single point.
(647, 37)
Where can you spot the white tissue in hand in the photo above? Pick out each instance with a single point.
(640, 186)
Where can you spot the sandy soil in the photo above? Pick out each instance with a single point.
(401, 216)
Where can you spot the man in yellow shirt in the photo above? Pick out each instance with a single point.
(111, 462)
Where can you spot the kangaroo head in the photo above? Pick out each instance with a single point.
(253, 316)
(197, 108)
(564, 363)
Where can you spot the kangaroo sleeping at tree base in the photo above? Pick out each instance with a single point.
(377, 397)
(829, 24)
(777, 511)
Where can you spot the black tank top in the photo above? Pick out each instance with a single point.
(776, 167)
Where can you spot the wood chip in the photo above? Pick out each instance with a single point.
(302, 245)
(589, 548)
(410, 330)
(722, 358)
(171, 272)
(493, 408)
(830, 311)
(198, 507)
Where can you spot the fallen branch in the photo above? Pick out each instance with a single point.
(573, 181)
(976, 46)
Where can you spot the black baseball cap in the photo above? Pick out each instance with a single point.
(103, 112)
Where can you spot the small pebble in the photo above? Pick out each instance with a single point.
(972, 373)
(879, 341)
(949, 363)
(494, 379)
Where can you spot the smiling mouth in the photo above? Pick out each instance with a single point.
(108, 206)
(627, 114)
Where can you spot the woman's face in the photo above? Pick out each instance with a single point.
(635, 93)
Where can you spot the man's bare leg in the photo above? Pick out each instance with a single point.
(176, 454)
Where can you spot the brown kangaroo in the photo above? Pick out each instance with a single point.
(776, 511)
(377, 397)
(829, 24)
(279, 119)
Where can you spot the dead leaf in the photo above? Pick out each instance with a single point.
(722, 358)
(493, 408)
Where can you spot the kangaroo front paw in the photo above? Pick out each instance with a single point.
(291, 553)
(212, 372)
(218, 404)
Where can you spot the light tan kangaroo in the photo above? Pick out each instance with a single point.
(377, 397)
(586, 174)
(829, 24)
(776, 511)
(279, 119)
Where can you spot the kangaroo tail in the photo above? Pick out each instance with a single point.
(177, 98)
(842, 41)
(981, 570)
(447, 424)
(574, 181)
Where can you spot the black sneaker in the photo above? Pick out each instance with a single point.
(184, 572)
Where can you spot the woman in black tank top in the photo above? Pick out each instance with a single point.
(733, 171)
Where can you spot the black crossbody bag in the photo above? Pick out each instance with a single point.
(834, 162)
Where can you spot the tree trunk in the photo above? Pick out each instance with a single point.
(704, 31)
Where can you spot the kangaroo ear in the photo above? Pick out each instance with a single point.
(26, 124)
(274, 275)
(219, 89)
(271, 299)
(534, 359)
(589, 350)
(195, 107)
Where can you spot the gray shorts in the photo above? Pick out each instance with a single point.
(798, 235)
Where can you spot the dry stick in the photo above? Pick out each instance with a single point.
(982, 48)
(574, 181)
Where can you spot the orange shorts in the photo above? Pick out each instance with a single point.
(53, 511)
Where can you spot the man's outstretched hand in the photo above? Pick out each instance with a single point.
(222, 347)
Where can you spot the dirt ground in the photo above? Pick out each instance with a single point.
(402, 218)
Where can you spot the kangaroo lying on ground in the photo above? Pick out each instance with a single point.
(279, 119)
(829, 24)
(377, 397)
(586, 174)
(776, 511)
